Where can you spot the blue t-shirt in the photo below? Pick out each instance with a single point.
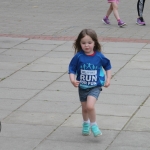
(89, 70)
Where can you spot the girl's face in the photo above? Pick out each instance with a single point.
(87, 45)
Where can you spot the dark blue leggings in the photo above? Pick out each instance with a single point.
(140, 7)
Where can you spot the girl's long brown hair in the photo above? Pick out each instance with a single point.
(82, 34)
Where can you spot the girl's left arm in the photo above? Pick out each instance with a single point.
(108, 78)
(107, 67)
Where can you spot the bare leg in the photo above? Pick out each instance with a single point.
(109, 10)
(115, 10)
(92, 115)
(88, 109)
(91, 108)
(84, 111)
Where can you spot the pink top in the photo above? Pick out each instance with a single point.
(115, 1)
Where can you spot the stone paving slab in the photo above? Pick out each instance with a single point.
(143, 112)
(122, 57)
(147, 46)
(67, 47)
(60, 54)
(138, 124)
(17, 94)
(24, 84)
(2, 50)
(120, 50)
(9, 104)
(50, 107)
(36, 118)
(132, 139)
(48, 60)
(58, 86)
(119, 99)
(37, 47)
(5, 73)
(123, 45)
(8, 42)
(138, 65)
(40, 76)
(57, 96)
(64, 78)
(118, 63)
(4, 113)
(35, 41)
(115, 70)
(133, 72)
(142, 57)
(127, 148)
(26, 53)
(26, 131)
(46, 68)
(144, 52)
(127, 90)
(63, 145)
(81, 139)
(147, 103)
(16, 59)
(136, 81)
(11, 66)
(18, 143)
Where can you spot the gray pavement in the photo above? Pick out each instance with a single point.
(69, 17)
(39, 108)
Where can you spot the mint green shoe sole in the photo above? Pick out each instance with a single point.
(86, 134)
(97, 135)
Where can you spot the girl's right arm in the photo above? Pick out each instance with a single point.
(73, 80)
(73, 70)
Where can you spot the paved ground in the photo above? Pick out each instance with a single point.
(39, 108)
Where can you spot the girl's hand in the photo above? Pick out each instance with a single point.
(75, 83)
(108, 74)
(107, 83)
(73, 80)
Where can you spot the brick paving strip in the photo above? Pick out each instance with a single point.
(72, 38)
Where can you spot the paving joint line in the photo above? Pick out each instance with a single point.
(135, 110)
(127, 122)
(57, 127)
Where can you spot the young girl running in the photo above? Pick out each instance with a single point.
(140, 7)
(113, 7)
(86, 73)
